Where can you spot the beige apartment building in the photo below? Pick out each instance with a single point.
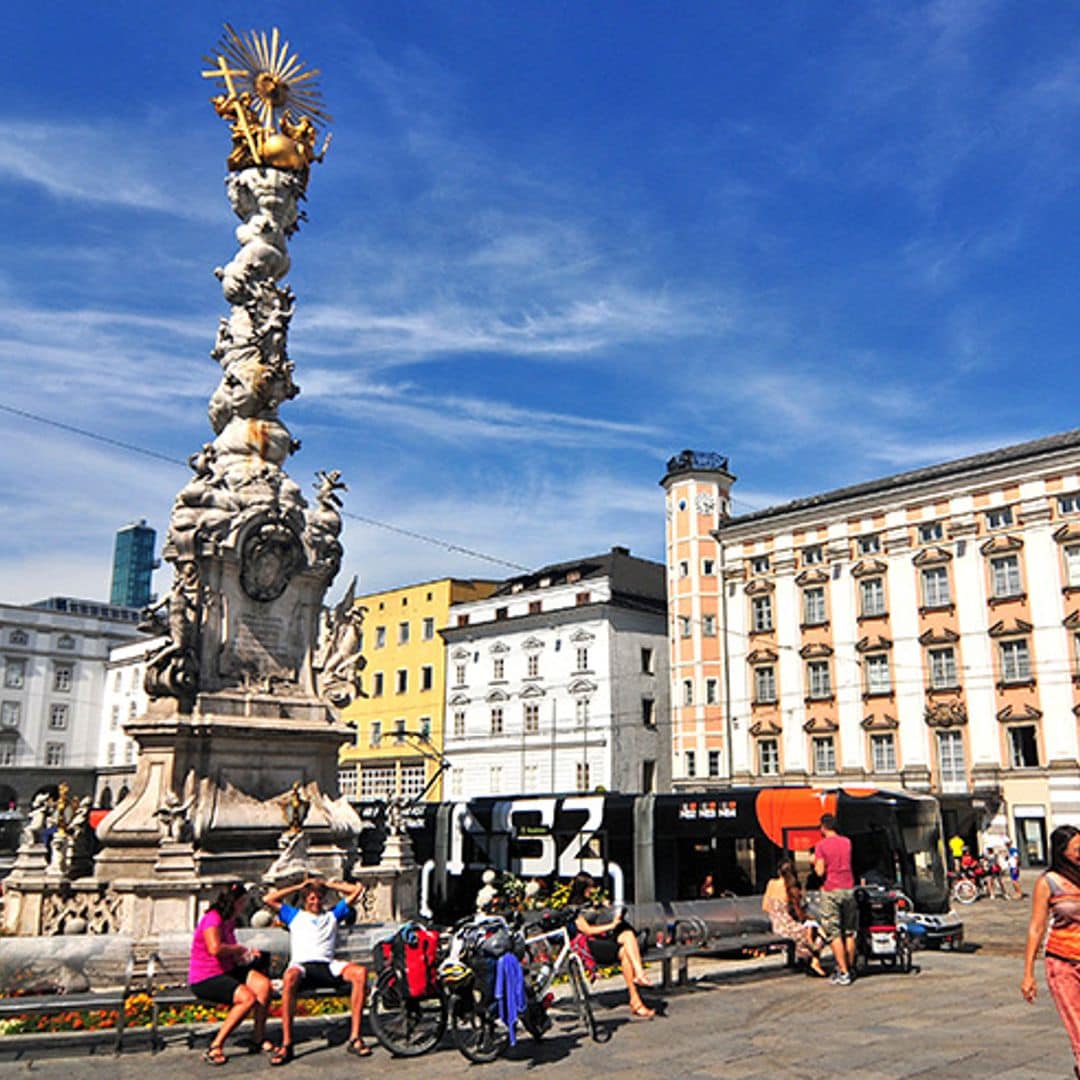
(921, 630)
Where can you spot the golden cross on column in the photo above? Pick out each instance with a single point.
(223, 71)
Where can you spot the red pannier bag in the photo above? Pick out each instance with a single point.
(413, 954)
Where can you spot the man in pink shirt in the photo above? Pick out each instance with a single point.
(832, 863)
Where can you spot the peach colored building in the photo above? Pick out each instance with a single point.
(921, 630)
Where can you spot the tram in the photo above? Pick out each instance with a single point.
(664, 848)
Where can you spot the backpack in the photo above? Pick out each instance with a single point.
(412, 954)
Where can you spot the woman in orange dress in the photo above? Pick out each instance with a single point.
(1056, 900)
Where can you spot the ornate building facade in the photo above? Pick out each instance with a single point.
(922, 630)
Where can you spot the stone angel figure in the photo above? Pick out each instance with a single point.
(338, 662)
(172, 816)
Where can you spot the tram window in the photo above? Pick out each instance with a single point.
(734, 864)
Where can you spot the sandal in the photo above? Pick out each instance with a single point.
(253, 1047)
(214, 1055)
(357, 1048)
(642, 1011)
(282, 1055)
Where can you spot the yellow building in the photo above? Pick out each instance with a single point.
(405, 684)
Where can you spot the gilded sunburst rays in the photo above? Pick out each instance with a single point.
(262, 66)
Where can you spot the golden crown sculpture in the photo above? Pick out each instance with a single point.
(272, 102)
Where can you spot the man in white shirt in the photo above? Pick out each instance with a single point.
(312, 941)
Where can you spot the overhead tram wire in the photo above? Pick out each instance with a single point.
(446, 545)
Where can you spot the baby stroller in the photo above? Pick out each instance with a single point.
(882, 934)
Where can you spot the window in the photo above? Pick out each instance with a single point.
(708, 567)
(817, 677)
(65, 641)
(402, 681)
(532, 718)
(129, 753)
(1005, 572)
(935, 586)
(647, 662)
(648, 712)
(346, 780)
(581, 775)
(1072, 565)
(380, 637)
(582, 598)
(872, 597)
(690, 759)
(764, 684)
(761, 613)
(688, 692)
(532, 778)
(7, 752)
(427, 677)
(412, 780)
(869, 544)
(117, 681)
(581, 711)
(133, 711)
(377, 781)
(15, 674)
(824, 755)
(457, 783)
(760, 564)
(110, 754)
(714, 762)
(54, 754)
(648, 776)
(532, 666)
(1023, 747)
(501, 613)
(62, 677)
(376, 732)
(684, 568)
(1015, 661)
(58, 717)
(459, 674)
(813, 606)
(708, 625)
(536, 606)
(684, 626)
(1069, 504)
(377, 684)
(883, 753)
(951, 761)
(768, 757)
(459, 723)
(462, 620)
(878, 680)
(498, 669)
(942, 668)
(931, 532)
(582, 659)
(399, 731)
(812, 555)
(711, 697)
(403, 633)
(19, 637)
(1001, 518)
(496, 720)
(427, 632)
(495, 779)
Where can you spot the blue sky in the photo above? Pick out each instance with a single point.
(551, 245)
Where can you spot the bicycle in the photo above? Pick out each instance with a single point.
(568, 963)
(406, 1026)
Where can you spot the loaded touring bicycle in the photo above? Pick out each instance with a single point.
(658, 854)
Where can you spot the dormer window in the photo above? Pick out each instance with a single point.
(760, 564)
(812, 555)
(1001, 518)
(931, 532)
(870, 544)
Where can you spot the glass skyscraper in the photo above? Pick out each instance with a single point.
(133, 565)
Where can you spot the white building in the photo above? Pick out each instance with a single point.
(558, 682)
(53, 656)
(125, 699)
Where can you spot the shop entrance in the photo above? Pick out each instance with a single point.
(1031, 835)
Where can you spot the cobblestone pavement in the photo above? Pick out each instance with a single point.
(960, 1016)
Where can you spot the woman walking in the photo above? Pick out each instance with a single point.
(1056, 900)
(225, 973)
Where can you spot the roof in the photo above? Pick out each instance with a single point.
(1006, 455)
(630, 576)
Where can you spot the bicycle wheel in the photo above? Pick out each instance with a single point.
(584, 1003)
(476, 1032)
(965, 891)
(407, 1027)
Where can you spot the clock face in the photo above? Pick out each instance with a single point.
(706, 503)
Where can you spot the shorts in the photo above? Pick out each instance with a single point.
(319, 975)
(837, 913)
(221, 989)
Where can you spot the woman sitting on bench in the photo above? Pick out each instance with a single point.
(783, 904)
(611, 941)
(225, 973)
